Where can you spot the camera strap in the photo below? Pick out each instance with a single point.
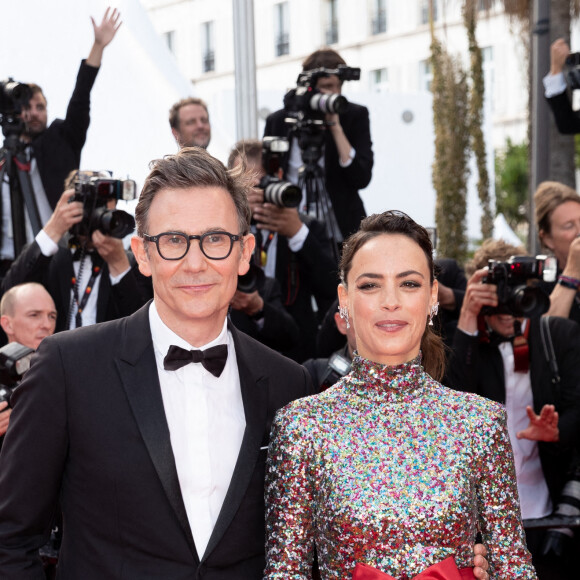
(549, 349)
(522, 350)
(96, 270)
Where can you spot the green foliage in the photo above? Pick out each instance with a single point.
(512, 182)
(450, 167)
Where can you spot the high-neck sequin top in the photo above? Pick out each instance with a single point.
(391, 469)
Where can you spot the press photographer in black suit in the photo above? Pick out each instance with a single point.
(54, 150)
(348, 155)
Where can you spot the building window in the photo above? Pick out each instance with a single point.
(332, 22)
(281, 29)
(425, 75)
(207, 47)
(379, 80)
(379, 17)
(170, 40)
(424, 11)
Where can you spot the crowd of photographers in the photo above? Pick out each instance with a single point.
(315, 156)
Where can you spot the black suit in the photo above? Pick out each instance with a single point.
(567, 120)
(342, 183)
(89, 424)
(309, 272)
(55, 273)
(478, 368)
(58, 148)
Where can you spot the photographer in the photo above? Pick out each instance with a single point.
(27, 315)
(557, 209)
(293, 249)
(348, 155)
(189, 122)
(95, 283)
(567, 120)
(55, 150)
(502, 357)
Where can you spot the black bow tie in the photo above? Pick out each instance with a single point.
(213, 359)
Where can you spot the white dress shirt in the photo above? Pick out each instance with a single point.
(534, 495)
(206, 420)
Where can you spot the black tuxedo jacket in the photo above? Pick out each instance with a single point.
(342, 183)
(478, 368)
(58, 149)
(567, 120)
(309, 272)
(88, 427)
(55, 274)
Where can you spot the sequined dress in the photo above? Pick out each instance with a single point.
(391, 469)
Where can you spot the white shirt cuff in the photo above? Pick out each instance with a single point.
(296, 242)
(351, 156)
(117, 279)
(47, 245)
(554, 85)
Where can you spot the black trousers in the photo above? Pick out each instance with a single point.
(550, 566)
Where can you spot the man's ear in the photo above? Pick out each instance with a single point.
(6, 324)
(176, 136)
(140, 253)
(247, 251)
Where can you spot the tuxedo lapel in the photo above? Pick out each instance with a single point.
(138, 372)
(254, 387)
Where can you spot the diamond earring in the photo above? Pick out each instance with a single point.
(343, 313)
(434, 311)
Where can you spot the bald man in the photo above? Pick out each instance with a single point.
(27, 315)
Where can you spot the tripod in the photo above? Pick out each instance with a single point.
(15, 166)
(311, 135)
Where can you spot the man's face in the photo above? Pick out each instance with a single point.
(329, 85)
(503, 324)
(35, 116)
(34, 317)
(193, 128)
(192, 295)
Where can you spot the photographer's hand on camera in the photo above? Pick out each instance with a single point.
(542, 427)
(249, 303)
(112, 251)
(477, 295)
(64, 216)
(283, 220)
(4, 417)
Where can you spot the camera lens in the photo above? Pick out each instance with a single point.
(528, 302)
(116, 223)
(283, 194)
(328, 103)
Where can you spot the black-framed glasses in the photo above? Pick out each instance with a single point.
(175, 245)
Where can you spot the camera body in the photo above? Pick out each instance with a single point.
(252, 280)
(278, 192)
(573, 73)
(515, 296)
(307, 102)
(14, 362)
(94, 193)
(13, 96)
(338, 366)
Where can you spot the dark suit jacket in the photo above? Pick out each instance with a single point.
(302, 275)
(58, 149)
(342, 183)
(89, 426)
(567, 120)
(55, 273)
(478, 368)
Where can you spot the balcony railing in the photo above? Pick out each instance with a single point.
(283, 44)
(209, 61)
(379, 22)
(332, 33)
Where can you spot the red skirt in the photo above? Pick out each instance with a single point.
(445, 570)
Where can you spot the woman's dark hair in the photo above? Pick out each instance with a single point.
(397, 222)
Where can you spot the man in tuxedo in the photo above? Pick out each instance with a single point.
(189, 122)
(158, 464)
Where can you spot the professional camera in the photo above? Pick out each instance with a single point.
(514, 295)
(95, 193)
(276, 191)
(307, 102)
(13, 96)
(14, 362)
(251, 280)
(338, 366)
(573, 70)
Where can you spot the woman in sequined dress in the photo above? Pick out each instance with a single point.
(388, 471)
